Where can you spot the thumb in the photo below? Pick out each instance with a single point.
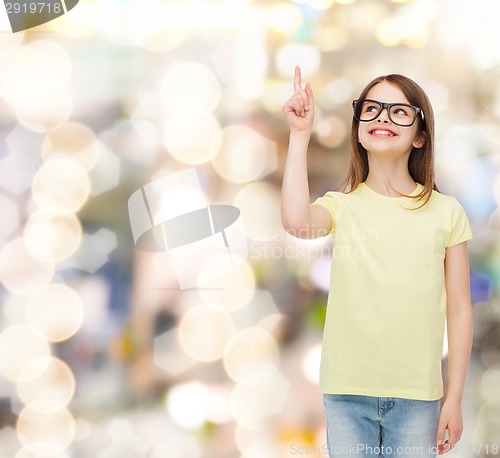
(440, 434)
(309, 93)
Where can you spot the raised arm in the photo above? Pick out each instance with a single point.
(298, 217)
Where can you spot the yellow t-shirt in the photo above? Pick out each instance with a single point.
(386, 307)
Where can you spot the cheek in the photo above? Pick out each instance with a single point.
(361, 135)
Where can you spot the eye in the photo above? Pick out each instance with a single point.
(370, 108)
(400, 111)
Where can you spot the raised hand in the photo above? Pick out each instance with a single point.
(299, 109)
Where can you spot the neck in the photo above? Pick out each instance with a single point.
(384, 173)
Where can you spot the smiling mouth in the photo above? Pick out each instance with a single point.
(382, 133)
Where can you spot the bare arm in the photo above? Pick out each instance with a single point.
(299, 218)
(459, 326)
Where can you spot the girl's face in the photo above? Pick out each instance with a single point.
(381, 136)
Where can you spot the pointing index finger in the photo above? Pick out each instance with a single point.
(297, 82)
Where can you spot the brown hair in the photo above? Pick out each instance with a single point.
(421, 160)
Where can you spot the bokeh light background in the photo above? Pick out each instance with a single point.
(101, 354)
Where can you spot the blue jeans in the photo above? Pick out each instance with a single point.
(365, 426)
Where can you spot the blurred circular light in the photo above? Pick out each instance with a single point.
(244, 155)
(283, 17)
(439, 94)
(52, 238)
(79, 24)
(35, 72)
(262, 222)
(272, 322)
(58, 60)
(306, 56)
(60, 187)
(46, 426)
(494, 219)
(409, 25)
(189, 86)
(44, 111)
(249, 352)
(337, 91)
(320, 273)
(387, 33)
(219, 405)
(45, 378)
(27, 74)
(203, 333)
(260, 396)
(490, 344)
(274, 95)
(331, 131)
(311, 362)
(244, 436)
(364, 17)
(229, 282)
(329, 39)
(20, 271)
(56, 311)
(74, 141)
(150, 26)
(490, 383)
(186, 147)
(187, 404)
(242, 64)
(18, 345)
(488, 94)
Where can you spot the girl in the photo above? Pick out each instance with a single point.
(399, 268)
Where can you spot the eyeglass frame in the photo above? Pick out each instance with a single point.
(387, 106)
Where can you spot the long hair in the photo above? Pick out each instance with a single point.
(421, 160)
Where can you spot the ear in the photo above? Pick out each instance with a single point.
(419, 140)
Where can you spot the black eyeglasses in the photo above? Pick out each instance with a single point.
(400, 114)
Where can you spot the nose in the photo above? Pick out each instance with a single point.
(384, 115)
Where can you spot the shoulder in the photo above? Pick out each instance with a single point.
(339, 199)
(335, 195)
(448, 208)
(444, 201)
(340, 195)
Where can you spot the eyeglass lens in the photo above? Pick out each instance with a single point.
(367, 110)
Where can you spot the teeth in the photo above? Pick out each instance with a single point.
(382, 132)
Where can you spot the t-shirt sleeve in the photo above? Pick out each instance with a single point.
(331, 203)
(460, 228)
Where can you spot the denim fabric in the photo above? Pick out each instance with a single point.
(368, 426)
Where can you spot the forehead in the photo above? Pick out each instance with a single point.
(386, 92)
